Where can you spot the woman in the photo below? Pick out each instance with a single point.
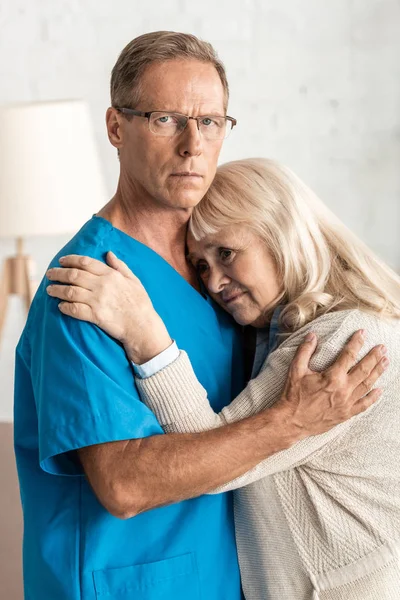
(321, 519)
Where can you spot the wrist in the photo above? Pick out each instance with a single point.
(151, 340)
(146, 353)
(280, 429)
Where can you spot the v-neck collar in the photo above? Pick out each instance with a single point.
(198, 294)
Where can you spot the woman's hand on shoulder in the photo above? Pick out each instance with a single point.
(111, 297)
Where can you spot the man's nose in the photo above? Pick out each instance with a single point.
(216, 281)
(190, 141)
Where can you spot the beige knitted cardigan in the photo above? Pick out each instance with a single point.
(320, 520)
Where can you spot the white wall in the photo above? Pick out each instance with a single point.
(314, 84)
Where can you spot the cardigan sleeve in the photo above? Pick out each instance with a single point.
(181, 405)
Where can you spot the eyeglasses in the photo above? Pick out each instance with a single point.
(168, 124)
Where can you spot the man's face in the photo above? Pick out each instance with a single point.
(152, 166)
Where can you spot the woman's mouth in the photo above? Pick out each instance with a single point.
(232, 298)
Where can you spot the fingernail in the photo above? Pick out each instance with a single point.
(310, 336)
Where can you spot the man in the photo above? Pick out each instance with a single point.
(91, 461)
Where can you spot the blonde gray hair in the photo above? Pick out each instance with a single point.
(323, 266)
(158, 46)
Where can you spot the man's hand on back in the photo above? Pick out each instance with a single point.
(312, 403)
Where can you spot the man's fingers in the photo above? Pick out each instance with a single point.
(368, 383)
(85, 263)
(363, 369)
(348, 356)
(82, 312)
(118, 265)
(367, 401)
(299, 366)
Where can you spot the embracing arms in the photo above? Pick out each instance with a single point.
(180, 403)
(136, 475)
(132, 476)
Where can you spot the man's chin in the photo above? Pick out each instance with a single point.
(187, 200)
(187, 196)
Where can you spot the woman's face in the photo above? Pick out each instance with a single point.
(238, 272)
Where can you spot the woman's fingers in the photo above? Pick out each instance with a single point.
(73, 276)
(84, 263)
(82, 312)
(299, 366)
(69, 293)
(118, 265)
(110, 296)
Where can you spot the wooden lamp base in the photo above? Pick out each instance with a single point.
(16, 279)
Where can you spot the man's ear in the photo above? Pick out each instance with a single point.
(114, 129)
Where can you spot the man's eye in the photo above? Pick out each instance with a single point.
(210, 122)
(167, 120)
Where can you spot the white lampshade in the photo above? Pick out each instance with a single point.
(50, 175)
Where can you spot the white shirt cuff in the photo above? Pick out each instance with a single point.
(156, 364)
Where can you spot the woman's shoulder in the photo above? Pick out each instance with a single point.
(335, 328)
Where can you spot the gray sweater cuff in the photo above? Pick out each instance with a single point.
(173, 392)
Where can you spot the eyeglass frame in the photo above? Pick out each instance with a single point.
(147, 115)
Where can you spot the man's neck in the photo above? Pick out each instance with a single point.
(163, 230)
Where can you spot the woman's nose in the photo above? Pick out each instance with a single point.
(217, 280)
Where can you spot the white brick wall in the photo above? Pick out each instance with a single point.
(314, 84)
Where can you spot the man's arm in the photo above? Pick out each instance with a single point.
(133, 476)
(181, 405)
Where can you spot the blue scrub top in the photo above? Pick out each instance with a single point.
(74, 387)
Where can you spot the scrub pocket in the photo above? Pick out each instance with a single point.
(171, 578)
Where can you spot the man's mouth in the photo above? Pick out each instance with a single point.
(186, 174)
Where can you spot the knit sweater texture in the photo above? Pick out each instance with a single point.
(320, 520)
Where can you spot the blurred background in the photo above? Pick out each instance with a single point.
(314, 84)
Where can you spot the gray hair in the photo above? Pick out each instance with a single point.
(158, 46)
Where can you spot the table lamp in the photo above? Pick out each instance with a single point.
(50, 181)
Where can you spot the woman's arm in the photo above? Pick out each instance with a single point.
(114, 299)
(181, 405)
